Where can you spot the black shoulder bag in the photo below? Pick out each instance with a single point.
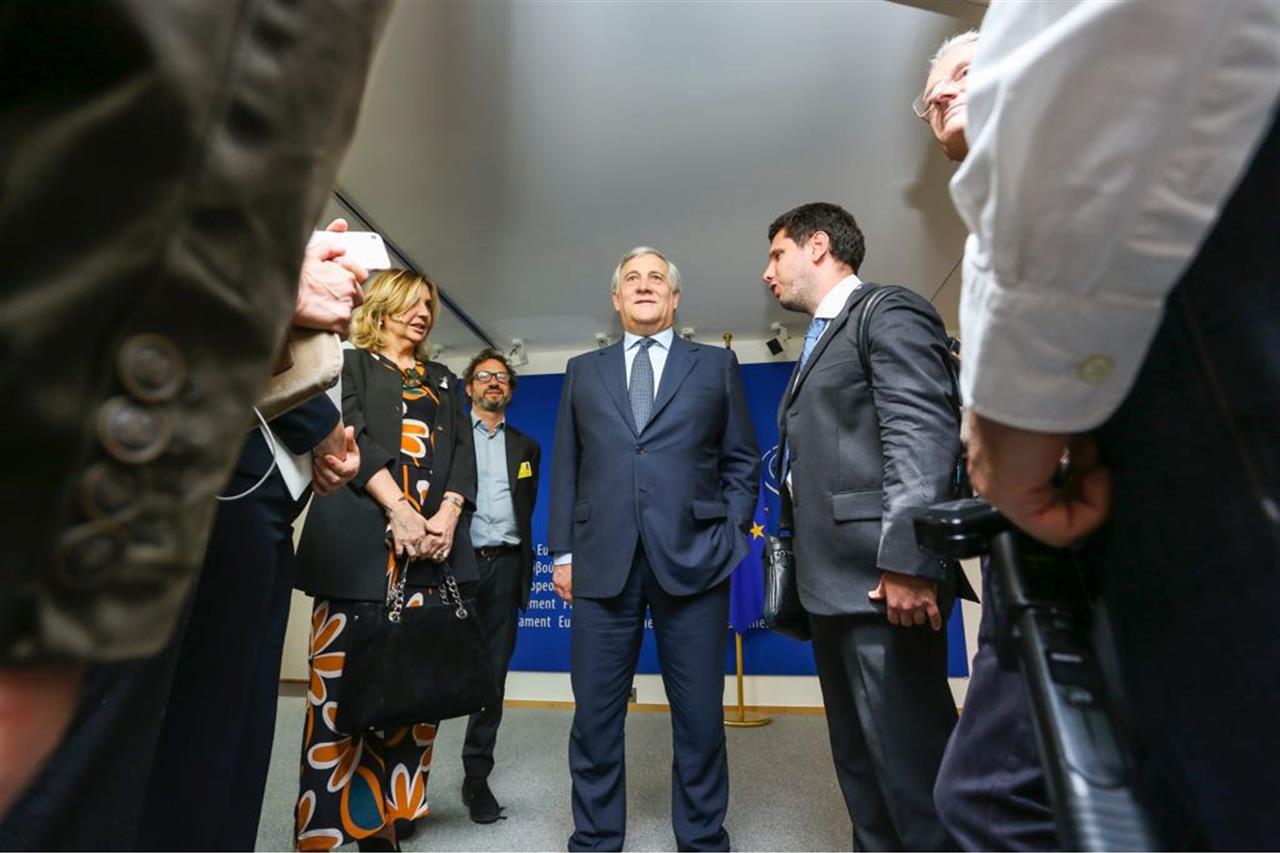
(408, 665)
(783, 611)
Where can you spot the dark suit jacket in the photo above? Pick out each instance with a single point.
(686, 486)
(343, 552)
(300, 428)
(524, 494)
(862, 469)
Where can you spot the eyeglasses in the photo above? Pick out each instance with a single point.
(925, 102)
(486, 375)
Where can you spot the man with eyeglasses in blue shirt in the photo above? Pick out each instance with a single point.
(506, 488)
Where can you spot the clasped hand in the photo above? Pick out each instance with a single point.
(424, 538)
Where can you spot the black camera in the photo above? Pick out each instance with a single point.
(1044, 619)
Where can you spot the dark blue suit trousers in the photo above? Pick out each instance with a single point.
(692, 636)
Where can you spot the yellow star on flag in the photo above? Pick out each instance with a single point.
(757, 531)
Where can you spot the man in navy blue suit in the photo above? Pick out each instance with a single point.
(654, 479)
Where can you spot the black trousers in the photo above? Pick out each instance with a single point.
(889, 714)
(498, 598)
(211, 761)
(88, 795)
(991, 792)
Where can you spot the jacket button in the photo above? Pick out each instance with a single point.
(639, 449)
(107, 489)
(131, 433)
(88, 553)
(151, 368)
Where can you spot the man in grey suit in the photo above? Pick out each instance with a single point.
(862, 454)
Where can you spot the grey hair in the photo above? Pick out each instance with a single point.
(953, 42)
(673, 272)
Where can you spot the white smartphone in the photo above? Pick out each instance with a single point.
(366, 248)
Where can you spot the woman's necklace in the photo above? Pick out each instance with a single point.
(413, 376)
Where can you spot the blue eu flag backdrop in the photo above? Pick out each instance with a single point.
(543, 643)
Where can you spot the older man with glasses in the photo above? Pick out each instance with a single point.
(990, 791)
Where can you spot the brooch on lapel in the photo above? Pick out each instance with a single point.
(444, 383)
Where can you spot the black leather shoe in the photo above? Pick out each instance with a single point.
(405, 829)
(377, 844)
(480, 800)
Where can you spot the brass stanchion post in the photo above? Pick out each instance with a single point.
(742, 719)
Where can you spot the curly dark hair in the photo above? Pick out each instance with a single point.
(487, 354)
(801, 223)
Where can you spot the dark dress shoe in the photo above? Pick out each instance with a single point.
(405, 829)
(377, 844)
(480, 800)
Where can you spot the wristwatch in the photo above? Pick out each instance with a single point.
(455, 500)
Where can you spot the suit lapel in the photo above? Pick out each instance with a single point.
(613, 373)
(515, 450)
(680, 362)
(828, 335)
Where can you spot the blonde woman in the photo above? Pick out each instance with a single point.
(417, 477)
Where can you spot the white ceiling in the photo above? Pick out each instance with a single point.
(515, 149)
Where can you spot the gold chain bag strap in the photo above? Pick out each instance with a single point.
(414, 664)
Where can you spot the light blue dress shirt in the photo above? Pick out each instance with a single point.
(657, 353)
(494, 521)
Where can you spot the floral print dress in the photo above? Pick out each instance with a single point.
(354, 785)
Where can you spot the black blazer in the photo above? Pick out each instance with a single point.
(300, 428)
(863, 468)
(524, 495)
(343, 552)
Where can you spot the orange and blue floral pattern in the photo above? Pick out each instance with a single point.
(354, 786)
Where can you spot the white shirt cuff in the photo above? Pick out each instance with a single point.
(564, 558)
(1048, 361)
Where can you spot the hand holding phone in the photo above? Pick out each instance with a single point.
(364, 248)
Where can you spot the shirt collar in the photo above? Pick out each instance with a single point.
(476, 422)
(662, 339)
(835, 299)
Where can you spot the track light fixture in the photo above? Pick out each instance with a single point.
(516, 354)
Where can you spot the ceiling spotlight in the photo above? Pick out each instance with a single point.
(516, 354)
(781, 334)
(688, 332)
(602, 340)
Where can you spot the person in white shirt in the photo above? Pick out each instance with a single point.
(1121, 300)
(990, 792)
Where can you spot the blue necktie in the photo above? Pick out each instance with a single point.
(641, 389)
(810, 341)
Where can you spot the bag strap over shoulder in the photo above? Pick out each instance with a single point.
(864, 327)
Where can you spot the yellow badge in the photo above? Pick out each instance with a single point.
(526, 470)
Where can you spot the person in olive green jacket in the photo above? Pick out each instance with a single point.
(162, 165)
